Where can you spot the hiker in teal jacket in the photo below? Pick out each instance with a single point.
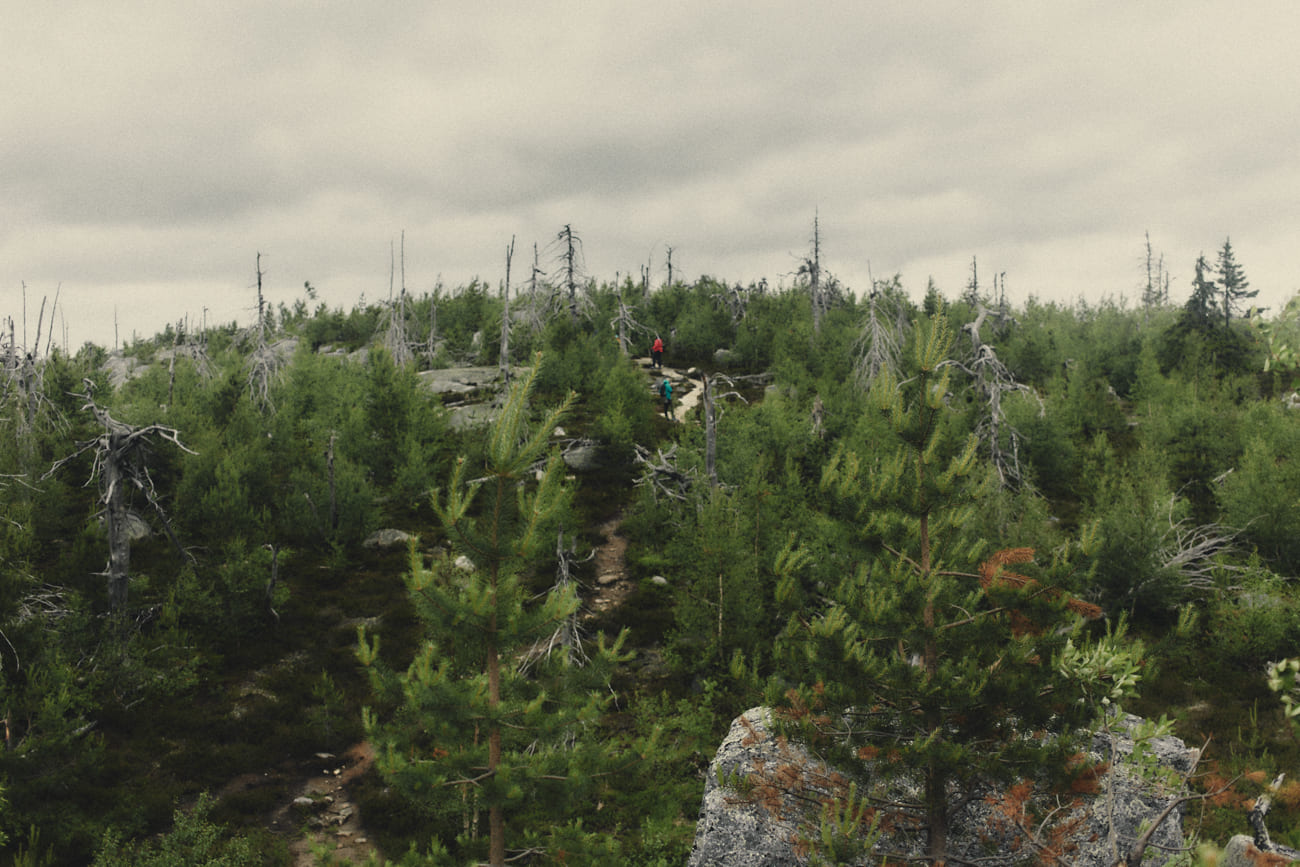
(666, 392)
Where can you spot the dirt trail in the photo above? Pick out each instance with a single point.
(611, 586)
(686, 387)
(322, 812)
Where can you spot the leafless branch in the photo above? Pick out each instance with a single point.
(662, 474)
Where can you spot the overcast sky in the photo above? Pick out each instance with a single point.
(150, 150)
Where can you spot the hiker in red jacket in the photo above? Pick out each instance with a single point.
(657, 353)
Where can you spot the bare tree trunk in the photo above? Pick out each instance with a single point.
(275, 580)
(505, 317)
(815, 276)
(433, 324)
(117, 522)
(395, 339)
(261, 305)
(119, 461)
(571, 268)
(171, 367)
(710, 432)
(622, 326)
(496, 817)
(334, 502)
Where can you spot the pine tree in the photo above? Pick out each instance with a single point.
(935, 663)
(1199, 308)
(485, 720)
(1232, 282)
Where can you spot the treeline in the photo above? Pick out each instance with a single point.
(1146, 454)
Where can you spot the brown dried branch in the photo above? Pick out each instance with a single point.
(662, 474)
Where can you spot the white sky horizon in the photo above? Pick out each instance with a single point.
(152, 150)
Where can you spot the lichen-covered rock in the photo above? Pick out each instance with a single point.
(583, 456)
(1241, 851)
(763, 796)
(387, 538)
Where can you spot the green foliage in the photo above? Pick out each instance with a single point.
(349, 331)
(478, 721)
(725, 593)
(1134, 518)
(703, 325)
(1201, 441)
(574, 359)
(1281, 342)
(1154, 426)
(625, 409)
(1256, 623)
(1232, 283)
(1262, 495)
(404, 429)
(1284, 681)
(194, 841)
(956, 656)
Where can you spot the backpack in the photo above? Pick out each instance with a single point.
(666, 389)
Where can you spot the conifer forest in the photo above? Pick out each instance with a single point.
(449, 560)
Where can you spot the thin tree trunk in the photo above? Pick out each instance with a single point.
(334, 502)
(710, 433)
(505, 317)
(275, 580)
(119, 539)
(496, 818)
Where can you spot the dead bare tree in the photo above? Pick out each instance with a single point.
(542, 301)
(22, 394)
(971, 294)
(1194, 552)
(625, 323)
(661, 474)
(504, 359)
(878, 344)
(735, 300)
(121, 455)
(1256, 819)
(812, 269)
(186, 345)
(263, 362)
(567, 635)
(395, 325)
(993, 381)
(571, 265)
(1156, 291)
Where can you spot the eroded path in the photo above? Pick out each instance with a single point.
(686, 387)
(322, 815)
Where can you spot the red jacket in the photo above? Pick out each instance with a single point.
(658, 347)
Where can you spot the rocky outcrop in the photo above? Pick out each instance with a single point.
(387, 538)
(1241, 851)
(464, 380)
(762, 799)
